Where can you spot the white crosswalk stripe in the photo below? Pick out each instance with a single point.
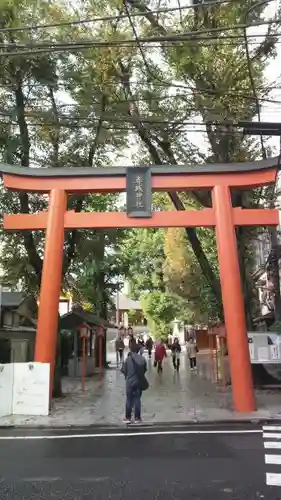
(272, 441)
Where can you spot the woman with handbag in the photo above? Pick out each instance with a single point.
(160, 354)
(192, 350)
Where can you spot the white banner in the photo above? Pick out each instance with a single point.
(24, 389)
(31, 389)
(6, 389)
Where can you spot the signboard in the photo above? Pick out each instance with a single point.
(251, 348)
(100, 332)
(139, 192)
(264, 347)
(84, 331)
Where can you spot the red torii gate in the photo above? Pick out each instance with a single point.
(219, 178)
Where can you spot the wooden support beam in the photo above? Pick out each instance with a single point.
(107, 220)
(255, 217)
(160, 182)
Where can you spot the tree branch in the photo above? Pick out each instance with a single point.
(94, 145)
(190, 232)
(55, 133)
(149, 16)
(72, 239)
(28, 239)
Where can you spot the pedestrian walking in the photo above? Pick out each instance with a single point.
(134, 369)
(170, 340)
(133, 342)
(176, 350)
(149, 346)
(140, 344)
(192, 350)
(119, 349)
(160, 354)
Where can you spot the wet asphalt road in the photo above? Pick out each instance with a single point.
(139, 467)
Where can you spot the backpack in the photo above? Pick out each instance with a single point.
(139, 371)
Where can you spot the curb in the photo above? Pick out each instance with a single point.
(215, 424)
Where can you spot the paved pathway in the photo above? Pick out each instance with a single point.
(172, 397)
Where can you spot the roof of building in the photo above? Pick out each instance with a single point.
(125, 303)
(12, 299)
(15, 329)
(74, 319)
(210, 168)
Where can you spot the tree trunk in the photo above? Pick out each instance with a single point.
(246, 281)
(57, 386)
(274, 273)
(101, 307)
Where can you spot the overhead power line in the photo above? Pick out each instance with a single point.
(116, 17)
(214, 116)
(37, 48)
(180, 128)
(227, 124)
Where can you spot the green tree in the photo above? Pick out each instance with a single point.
(184, 278)
(38, 129)
(133, 317)
(160, 309)
(142, 254)
(221, 81)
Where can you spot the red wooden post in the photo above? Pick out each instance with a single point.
(100, 361)
(100, 334)
(47, 325)
(217, 358)
(83, 362)
(84, 334)
(234, 312)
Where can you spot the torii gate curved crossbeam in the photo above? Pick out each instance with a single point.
(219, 178)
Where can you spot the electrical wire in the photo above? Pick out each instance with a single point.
(230, 92)
(46, 47)
(109, 116)
(115, 18)
(180, 38)
(250, 72)
(227, 124)
(182, 127)
(70, 108)
(94, 45)
(152, 74)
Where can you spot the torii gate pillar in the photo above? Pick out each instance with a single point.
(47, 326)
(233, 305)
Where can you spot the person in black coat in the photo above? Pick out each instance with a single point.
(176, 350)
(149, 346)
